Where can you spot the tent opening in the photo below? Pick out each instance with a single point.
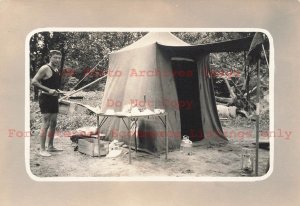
(185, 74)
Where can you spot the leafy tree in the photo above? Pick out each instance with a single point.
(82, 51)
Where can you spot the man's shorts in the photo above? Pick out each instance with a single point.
(48, 103)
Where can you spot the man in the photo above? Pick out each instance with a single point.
(47, 79)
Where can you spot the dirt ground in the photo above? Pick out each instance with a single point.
(208, 160)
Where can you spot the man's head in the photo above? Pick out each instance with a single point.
(55, 57)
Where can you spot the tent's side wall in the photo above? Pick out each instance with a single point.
(169, 98)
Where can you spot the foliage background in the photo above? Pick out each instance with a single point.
(82, 51)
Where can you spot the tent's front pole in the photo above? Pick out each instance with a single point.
(257, 117)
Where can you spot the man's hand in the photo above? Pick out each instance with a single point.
(63, 93)
(53, 92)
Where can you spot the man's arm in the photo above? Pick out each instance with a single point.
(37, 79)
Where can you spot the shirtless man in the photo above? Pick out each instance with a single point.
(47, 79)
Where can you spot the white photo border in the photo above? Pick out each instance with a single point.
(145, 178)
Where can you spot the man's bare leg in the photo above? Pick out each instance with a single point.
(51, 132)
(43, 135)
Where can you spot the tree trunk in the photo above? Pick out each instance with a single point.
(35, 89)
(247, 91)
(227, 100)
(63, 56)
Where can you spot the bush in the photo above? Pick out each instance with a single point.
(70, 83)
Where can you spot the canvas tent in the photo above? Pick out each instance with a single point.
(161, 71)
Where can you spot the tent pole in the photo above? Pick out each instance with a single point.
(89, 73)
(98, 135)
(265, 55)
(68, 95)
(257, 117)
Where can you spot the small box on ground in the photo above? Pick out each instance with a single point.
(64, 107)
(89, 146)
